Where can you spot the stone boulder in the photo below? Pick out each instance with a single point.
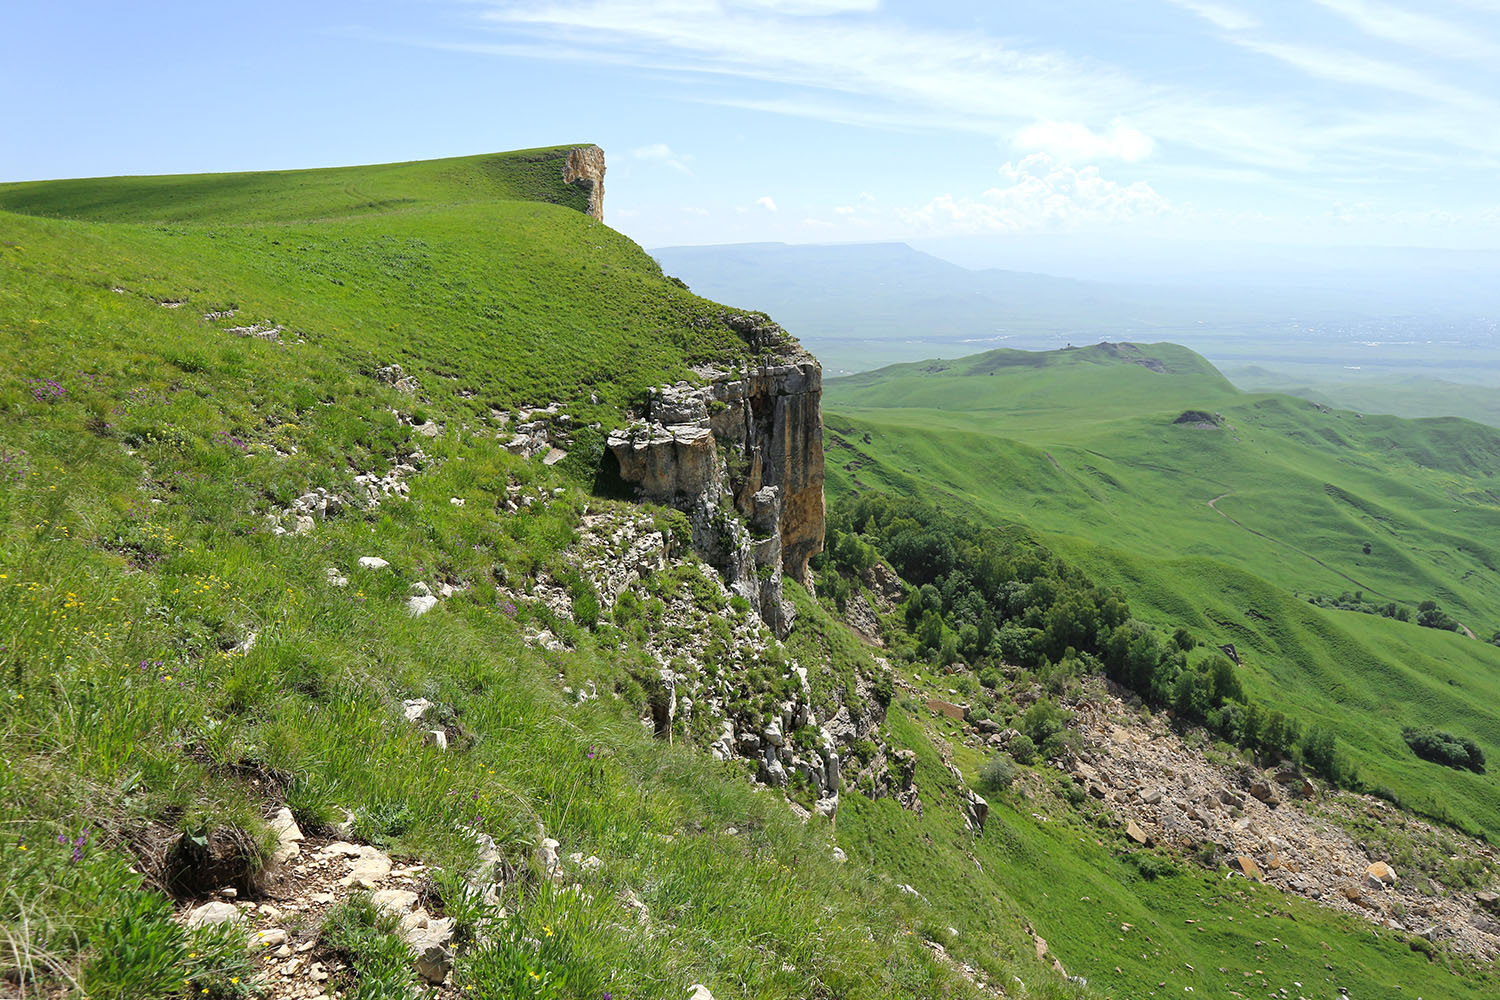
(213, 914)
(1380, 876)
(1246, 866)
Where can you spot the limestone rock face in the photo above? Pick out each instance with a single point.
(584, 169)
(754, 438)
(675, 463)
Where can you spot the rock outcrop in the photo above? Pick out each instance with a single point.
(584, 169)
(742, 454)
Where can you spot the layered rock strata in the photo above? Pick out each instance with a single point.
(584, 169)
(742, 454)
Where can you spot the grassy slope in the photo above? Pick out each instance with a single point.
(1068, 873)
(133, 559)
(1083, 448)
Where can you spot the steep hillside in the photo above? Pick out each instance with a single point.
(329, 625)
(1226, 513)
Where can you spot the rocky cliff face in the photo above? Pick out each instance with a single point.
(584, 169)
(742, 454)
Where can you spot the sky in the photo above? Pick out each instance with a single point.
(1344, 123)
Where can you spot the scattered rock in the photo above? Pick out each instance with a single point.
(548, 864)
(274, 937)
(372, 562)
(212, 914)
(288, 837)
(420, 604)
(430, 939)
(397, 901)
(1135, 833)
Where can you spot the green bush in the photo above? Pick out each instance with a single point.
(998, 773)
(1457, 752)
(1022, 749)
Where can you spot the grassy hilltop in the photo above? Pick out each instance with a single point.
(1224, 512)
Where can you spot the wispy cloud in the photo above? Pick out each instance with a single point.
(847, 61)
(876, 70)
(811, 8)
(1220, 15)
(1344, 66)
(1390, 23)
(660, 152)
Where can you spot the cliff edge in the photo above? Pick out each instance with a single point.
(742, 453)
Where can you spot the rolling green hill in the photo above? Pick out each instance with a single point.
(1222, 512)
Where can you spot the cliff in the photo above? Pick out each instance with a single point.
(742, 453)
(584, 169)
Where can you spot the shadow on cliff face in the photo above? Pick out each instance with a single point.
(608, 483)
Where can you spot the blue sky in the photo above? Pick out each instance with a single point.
(1316, 122)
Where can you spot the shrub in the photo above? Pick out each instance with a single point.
(1150, 866)
(1023, 749)
(1458, 752)
(998, 773)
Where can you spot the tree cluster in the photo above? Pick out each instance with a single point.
(992, 597)
(1458, 752)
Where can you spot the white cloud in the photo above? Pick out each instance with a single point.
(1420, 31)
(1228, 18)
(1075, 143)
(875, 70)
(660, 152)
(811, 8)
(1343, 66)
(695, 210)
(765, 202)
(1039, 193)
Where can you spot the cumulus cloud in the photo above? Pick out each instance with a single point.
(1040, 193)
(1075, 143)
(765, 202)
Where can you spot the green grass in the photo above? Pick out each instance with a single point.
(1082, 447)
(134, 559)
(1071, 873)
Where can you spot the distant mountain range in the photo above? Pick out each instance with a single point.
(1316, 328)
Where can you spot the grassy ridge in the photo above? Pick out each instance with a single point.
(141, 446)
(531, 175)
(1083, 446)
